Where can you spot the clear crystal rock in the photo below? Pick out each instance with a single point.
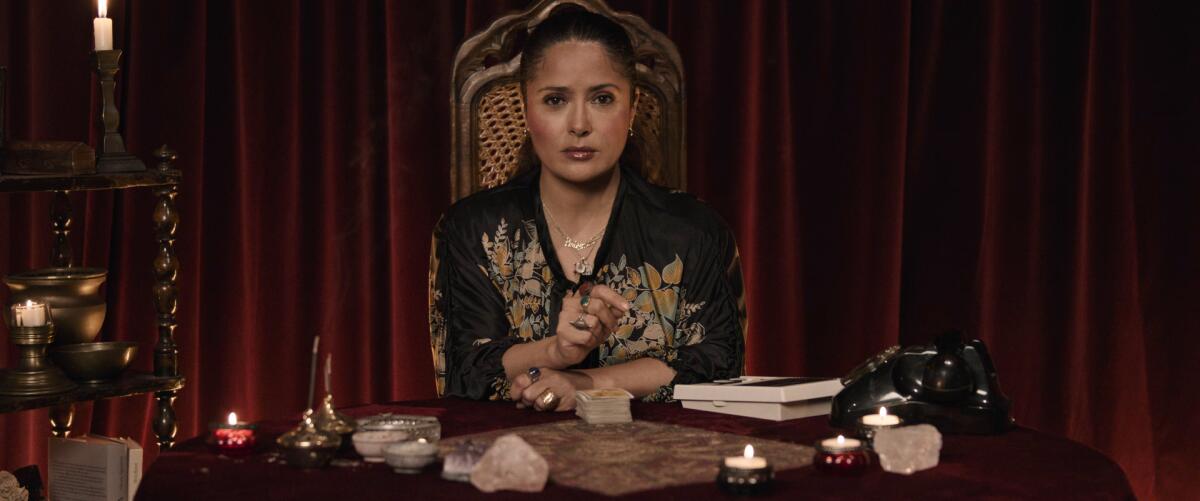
(460, 462)
(511, 464)
(908, 449)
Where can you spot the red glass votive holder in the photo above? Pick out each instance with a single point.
(842, 456)
(236, 439)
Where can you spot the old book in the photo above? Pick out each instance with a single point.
(94, 468)
(48, 158)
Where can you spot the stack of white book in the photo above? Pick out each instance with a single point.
(94, 468)
(763, 397)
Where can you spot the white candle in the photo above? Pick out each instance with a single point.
(746, 461)
(840, 443)
(102, 28)
(232, 419)
(30, 314)
(881, 419)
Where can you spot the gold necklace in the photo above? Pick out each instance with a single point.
(583, 266)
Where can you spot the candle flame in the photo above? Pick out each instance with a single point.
(232, 415)
(103, 8)
(841, 440)
(422, 440)
(883, 411)
(29, 303)
(749, 452)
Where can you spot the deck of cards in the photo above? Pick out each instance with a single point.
(603, 406)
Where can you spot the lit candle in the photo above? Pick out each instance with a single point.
(881, 419)
(841, 443)
(102, 28)
(745, 474)
(234, 437)
(30, 314)
(746, 461)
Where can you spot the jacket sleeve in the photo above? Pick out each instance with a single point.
(468, 325)
(710, 324)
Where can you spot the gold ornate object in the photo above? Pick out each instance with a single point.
(329, 419)
(308, 446)
(34, 374)
(333, 421)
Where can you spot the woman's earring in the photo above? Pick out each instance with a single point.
(526, 132)
(630, 131)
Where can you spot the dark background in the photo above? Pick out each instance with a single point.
(1023, 170)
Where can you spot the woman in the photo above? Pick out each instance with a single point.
(577, 273)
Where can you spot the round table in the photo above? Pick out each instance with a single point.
(1021, 463)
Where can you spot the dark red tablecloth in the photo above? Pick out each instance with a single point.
(1019, 464)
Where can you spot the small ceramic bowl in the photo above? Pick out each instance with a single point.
(410, 456)
(370, 444)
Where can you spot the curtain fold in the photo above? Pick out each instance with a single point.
(1024, 171)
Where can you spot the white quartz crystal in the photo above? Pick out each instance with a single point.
(511, 464)
(908, 449)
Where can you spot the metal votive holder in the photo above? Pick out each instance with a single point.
(34, 373)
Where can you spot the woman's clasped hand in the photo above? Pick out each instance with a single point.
(587, 318)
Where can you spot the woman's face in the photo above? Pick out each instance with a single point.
(578, 108)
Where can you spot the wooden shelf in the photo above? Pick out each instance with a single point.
(132, 383)
(149, 177)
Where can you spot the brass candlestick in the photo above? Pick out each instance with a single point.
(34, 374)
(111, 156)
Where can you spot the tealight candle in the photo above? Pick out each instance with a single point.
(841, 455)
(234, 438)
(883, 419)
(30, 314)
(745, 474)
(871, 423)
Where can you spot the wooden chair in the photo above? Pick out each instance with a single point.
(488, 119)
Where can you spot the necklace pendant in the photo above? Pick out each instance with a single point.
(582, 267)
(575, 244)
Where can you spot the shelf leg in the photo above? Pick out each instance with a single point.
(164, 419)
(166, 270)
(61, 417)
(60, 225)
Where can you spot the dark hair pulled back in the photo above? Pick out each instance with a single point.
(574, 23)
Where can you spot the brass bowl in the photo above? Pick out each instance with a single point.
(73, 295)
(311, 457)
(94, 362)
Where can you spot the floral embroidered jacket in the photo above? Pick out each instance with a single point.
(494, 282)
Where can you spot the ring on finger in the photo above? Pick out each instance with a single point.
(584, 300)
(547, 400)
(580, 323)
(534, 374)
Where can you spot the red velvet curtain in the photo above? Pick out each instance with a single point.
(1022, 170)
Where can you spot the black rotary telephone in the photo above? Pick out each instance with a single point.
(951, 385)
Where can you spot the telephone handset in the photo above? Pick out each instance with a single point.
(951, 385)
